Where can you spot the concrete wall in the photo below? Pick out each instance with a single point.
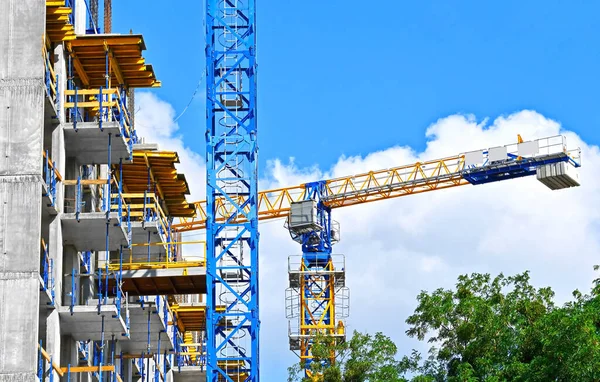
(21, 132)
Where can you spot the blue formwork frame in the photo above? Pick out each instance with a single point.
(231, 157)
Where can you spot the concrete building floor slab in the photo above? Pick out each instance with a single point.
(89, 233)
(86, 324)
(89, 144)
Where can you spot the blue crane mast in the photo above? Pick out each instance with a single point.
(232, 321)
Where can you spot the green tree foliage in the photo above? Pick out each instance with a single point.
(362, 358)
(485, 329)
(504, 329)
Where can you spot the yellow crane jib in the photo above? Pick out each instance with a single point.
(548, 158)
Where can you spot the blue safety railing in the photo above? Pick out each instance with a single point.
(100, 105)
(92, 28)
(47, 273)
(43, 360)
(51, 79)
(51, 177)
(86, 261)
(71, 4)
(40, 370)
(83, 350)
(153, 213)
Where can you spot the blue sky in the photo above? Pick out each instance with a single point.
(355, 78)
(349, 77)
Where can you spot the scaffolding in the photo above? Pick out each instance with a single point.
(110, 260)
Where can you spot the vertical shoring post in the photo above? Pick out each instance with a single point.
(141, 366)
(101, 351)
(40, 363)
(73, 290)
(108, 177)
(78, 199)
(156, 367)
(52, 281)
(231, 157)
(148, 251)
(47, 170)
(106, 260)
(170, 248)
(148, 347)
(121, 365)
(118, 278)
(71, 86)
(100, 112)
(100, 299)
(165, 365)
(120, 188)
(57, 100)
(112, 358)
(147, 371)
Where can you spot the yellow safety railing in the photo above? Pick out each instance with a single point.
(145, 207)
(48, 359)
(98, 185)
(51, 166)
(50, 76)
(100, 105)
(129, 263)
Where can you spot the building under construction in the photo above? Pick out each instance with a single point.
(94, 282)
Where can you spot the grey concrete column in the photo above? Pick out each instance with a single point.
(22, 24)
(53, 338)
(80, 16)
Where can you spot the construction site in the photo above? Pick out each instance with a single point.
(98, 280)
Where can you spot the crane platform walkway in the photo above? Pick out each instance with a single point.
(147, 243)
(191, 316)
(170, 281)
(89, 143)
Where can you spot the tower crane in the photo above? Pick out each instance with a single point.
(317, 297)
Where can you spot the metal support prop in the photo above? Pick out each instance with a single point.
(40, 363)
(231, 156)
(101, 351)
(78, 199)
(73, 290)
(107, 197)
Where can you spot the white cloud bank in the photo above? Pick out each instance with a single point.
(154, 123)
(396, 248)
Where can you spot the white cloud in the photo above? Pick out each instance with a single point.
(396, 248)
(154, 123)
